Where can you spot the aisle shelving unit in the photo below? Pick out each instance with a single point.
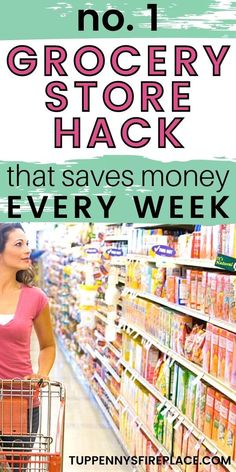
(210, 445)
(182, 309)
(80, 376)
(130, 328)
(161, 261)
(194, 368)
(147, 432)
(106, 364)
(106, 389)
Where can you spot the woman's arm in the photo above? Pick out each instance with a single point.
(43, 328)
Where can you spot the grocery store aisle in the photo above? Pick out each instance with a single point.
(86, 432)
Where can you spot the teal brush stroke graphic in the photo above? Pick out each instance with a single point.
(123, 208)
(27, 19)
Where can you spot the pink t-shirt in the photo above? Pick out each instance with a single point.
(15, 362)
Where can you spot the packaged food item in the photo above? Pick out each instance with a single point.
(183, 382)
(212, 305)
(178, 441)
(185, 447)
(231, 238)
(231, 431)
(158, 276)
(159, 424)
(216, 416)
(203, 291)
(193, 289)
(214, 351)
(232, 299)
(180, 291)
(216, 244)
(233, 374)
(151, 361)
(169, 434)
(203, 452)
(209, 411)
(192, 451)
(196, 244)
(191, 397)
(161, 376)
(223, 424)
(207, 348)
(230, 343)
(222, 354)
(170, 289)
(208, 294)
(194, 344)
(181, 327)
(188, 286)
(199, 414)
(199, 289)
(220, 291)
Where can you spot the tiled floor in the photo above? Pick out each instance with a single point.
(86, 431)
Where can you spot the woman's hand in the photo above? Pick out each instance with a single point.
(37, 376)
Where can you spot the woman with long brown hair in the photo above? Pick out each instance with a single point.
(22, 307)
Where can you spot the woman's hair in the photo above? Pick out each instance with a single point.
(24, 276)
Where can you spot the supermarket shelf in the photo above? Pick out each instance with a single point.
(171, 261)
(81, 378)
(114, 428)
(99, 336)
(210, 445)
(101, 317)
(148, 433)
(182, 309)
(118, 261)
(194, 368)
(86, 348)
(90, 350)
(116, 238)
(107, 365)
(114, 350)
(121, 279)
(106, 389)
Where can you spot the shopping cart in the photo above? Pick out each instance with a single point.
(31, 426)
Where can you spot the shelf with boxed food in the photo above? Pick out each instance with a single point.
(212, 426)
(160, 448)
(181, 309)
(197, 370)
(106, 364)
(106, 389)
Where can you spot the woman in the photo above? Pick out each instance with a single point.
(22, 307)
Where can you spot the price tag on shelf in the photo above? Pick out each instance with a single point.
(213, 449)
(197, 379)
(188, 433)
(139, 425)
(173, 418)
(124, 409)
(179, 422)
(136, 336)
(159, 408)
(118, 362)
(171, 363)
(166, 410)
(199, 443)
(135, 418)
